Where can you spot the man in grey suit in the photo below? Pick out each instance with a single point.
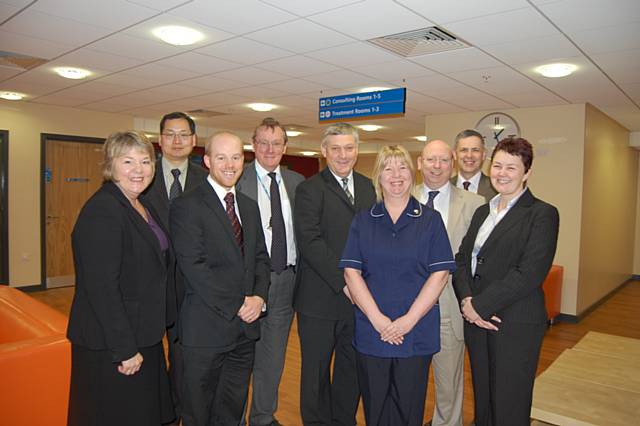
(175, 174)
(456, 207)
(273, 188)
(470, 155)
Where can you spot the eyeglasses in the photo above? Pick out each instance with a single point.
(276, 145)
(182, 136)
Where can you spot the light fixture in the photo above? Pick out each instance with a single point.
(248, 147)
(261, 107)
(177, 35)
(373, 89)
(308, 153)
(556, 70)
(420, 138)
(370, 127)
(11, 96)
(72, 73)
(293, 133)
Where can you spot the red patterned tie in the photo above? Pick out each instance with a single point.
(235, 222)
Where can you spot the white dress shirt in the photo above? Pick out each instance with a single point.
(474, 182)
(349, 182)
(168, 177)
(221, 192)
(441, 202)
(264, 204)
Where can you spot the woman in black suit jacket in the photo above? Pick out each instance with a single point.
(117, 321)
(502, 263)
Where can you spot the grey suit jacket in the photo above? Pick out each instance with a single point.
(462, 205)
(484, 188)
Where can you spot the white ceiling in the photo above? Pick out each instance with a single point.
(292, 52)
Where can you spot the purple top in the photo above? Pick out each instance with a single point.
(160, 235)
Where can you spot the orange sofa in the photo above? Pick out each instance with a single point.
(35, 362)
(552, 288)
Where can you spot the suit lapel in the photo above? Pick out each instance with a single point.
(288, 186)
(211, 200)
(513, 217)
(248, 182)
(193, 177)
(332, 184)
(455, 210)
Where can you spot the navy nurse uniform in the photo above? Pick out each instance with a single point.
(395, 261)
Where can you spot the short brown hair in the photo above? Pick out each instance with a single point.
(119, 143)
(516, 146)
(270, 123)
(467, 134)
(385, 154)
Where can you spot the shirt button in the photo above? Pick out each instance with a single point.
(480, 260)
(393, 234)
(476, 277)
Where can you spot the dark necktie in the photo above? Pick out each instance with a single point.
(466, 185)
(432, 196)
(278, 233)
(176, 188)
(235, 222)
(345, 187)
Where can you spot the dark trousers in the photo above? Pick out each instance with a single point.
(393, 389)
(215, 384)
(503, 368)
(324, 401)
(175, 370)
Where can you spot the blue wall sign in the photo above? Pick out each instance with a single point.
(363, 105)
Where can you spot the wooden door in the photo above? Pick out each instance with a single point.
(72, 175)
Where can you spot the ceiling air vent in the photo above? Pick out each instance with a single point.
(419, 42)
(18, 61)
(204, 113)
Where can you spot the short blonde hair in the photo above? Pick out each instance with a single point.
(386, 153)
(118, 144)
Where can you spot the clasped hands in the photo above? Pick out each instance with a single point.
(470, 315)
(251, 309)
(393, 332)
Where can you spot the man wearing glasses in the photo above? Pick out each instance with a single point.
(175, 174)
(273, 188)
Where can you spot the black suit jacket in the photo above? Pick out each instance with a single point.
(512, 263)
(121, 276)
(322, 217)
(217, 275)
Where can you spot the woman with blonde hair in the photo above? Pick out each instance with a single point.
(122, 261)
(396, 263)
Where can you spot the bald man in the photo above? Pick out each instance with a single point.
(456, 206)
(219, 244)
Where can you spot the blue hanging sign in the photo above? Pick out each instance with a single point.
(363, 105)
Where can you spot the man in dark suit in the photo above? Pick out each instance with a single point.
(325, 206)
(273, 188)
(220, 249)
(174, 175)
(470, 155)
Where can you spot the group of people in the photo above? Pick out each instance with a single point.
(219, 261)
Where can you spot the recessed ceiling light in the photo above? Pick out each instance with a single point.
(308, 153)
(420, 138)
(373, 89)
(293, 133)
(556, 70)
(177, 35)
(248, 147)
(11, 96)
(261, 107)
(370, 127)
(72, 73)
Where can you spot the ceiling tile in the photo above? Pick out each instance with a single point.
(354, 55)
(145, 30)
(308, 36)
(428, 83)
(306, 102)
(342, 79)
(18, 3)
(540, 49)
(105, 107)
(608, 39)
(623, 66)
(426, 104)
(442, 12)
(297, 66)
(534, 98)
(633, 90)
(112, 14)
(58, 30)
(132, 81)
(31, 46)
(259, 93)
(243, 51)
(236, 17)
(496, 80)
(160, 5)
(393, 70)
(159, 74)
(134, 47)
(213, 83)
(305, 8)
(467, 97)
(60, 100)
(251, 75)
(592, 13)
(626, 116)
(30, 89)
(88, 59)
(6, 10)
(8, 72)
(516, 25)
(371, 18)
(457, 60)
(45, 76)
(200, 62)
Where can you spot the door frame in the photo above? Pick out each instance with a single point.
(44, 138)
(4, 199)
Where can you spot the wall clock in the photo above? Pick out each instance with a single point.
(496, 126)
